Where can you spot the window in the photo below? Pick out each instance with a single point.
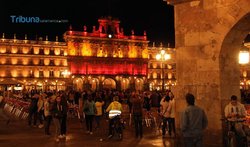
(151, 65)
(41, 51)
(40, 73)
(51, 52)
(51, 62)
(158, 65)
(51, 73)
(41, 62)
(158, 75)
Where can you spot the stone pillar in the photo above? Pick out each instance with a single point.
(206, 56)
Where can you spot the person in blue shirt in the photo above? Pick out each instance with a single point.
(192, 123)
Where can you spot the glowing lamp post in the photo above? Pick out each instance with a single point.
(163, 56)
(244, 55)
(66, 73)
(244, 59)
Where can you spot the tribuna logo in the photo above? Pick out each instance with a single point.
(22, 19)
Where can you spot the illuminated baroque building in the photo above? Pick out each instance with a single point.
(106, 58)
(156, 74)
(98, 59)
(34, 64)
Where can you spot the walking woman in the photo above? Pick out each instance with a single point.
(57, 117)
(89, 110)
(48, 102)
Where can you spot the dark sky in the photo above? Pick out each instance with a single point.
(154, 16)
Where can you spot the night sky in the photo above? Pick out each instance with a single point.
(154, 16)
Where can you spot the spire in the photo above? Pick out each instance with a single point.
(15, 36)
(25, 38)
(70, 30)
(3, 36)
(56, 38)
(84, 28)
(132, 32)
(145, 35)
(46, 38)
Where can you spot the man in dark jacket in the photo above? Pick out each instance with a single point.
(137, 114)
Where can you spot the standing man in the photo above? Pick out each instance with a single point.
(192, 123)
(137, 114)
(165, 113)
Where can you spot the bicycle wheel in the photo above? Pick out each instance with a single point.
(231, 142)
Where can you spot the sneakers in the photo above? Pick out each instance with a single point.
(87, 132)
(110, 136)
(91, 133)
(40, 126)
(60, 136)
(57, 140)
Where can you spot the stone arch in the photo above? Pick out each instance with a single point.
(124, 83)
(229, 66)
(109, 83)
(94, 84)
(139, 84)
(78, 84)
(208, 37)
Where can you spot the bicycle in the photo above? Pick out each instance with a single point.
(117, 125)
(231, 137)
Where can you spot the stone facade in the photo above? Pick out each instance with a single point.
(209, 34)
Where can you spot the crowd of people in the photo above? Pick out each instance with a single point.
(54, 106)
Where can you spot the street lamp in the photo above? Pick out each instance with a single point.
(243, 60)
(66, 73)
(163, 56)
(244, 55)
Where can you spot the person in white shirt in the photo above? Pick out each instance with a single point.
(235, 110)
(165, 113)
(172, 112)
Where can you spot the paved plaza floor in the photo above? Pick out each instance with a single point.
(19, 134)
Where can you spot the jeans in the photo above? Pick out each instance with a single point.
(193, 141)
(89, 122)
(172, 124)
(32, 114)
(138, 125)
(64, 124)
(57, 122)
(97, 119)
(47, 124)
(165, 121)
